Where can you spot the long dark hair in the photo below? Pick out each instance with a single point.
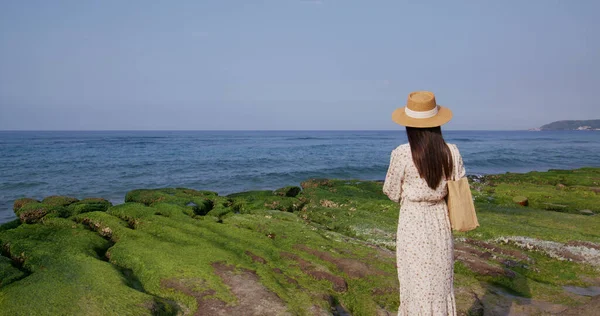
(430, 154)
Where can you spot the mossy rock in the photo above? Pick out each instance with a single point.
(10, 225)
(221, 207)
(65, 264)
(8, 272)
(565, 191)
(201, 206)
(284, 205)
(521, 200)
(173, 211)
(59, 200)
(553, 177)
(251, 195)
(22, 202)
(290, 191)
(268, 202)
(179, 196)
(165, 257)
(555, 207)
(89, 205)
(192, 192)
(244, 202)
(314, 183)
(33, 212)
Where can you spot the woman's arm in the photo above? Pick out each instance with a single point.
(392, 187)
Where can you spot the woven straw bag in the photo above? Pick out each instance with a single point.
(461, 209)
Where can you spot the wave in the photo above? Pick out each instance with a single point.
(462, 140)
(506, 163)
(304, 138)
(358, 172)
(521, 139)
(21, 185)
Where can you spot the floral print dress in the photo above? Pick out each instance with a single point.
(424, 246)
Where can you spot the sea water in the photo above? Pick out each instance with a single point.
(108, 164)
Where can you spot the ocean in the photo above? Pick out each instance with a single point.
(110, 163)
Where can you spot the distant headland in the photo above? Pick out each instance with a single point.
(572, 125)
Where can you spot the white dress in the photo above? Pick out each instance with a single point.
(424, 246)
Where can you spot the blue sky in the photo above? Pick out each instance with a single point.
(293, 64)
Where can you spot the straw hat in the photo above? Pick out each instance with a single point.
(421, 110)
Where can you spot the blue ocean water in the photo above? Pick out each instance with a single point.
(110, 163)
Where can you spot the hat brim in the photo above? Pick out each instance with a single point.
(443, 116)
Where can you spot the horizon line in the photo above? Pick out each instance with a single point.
(250, 130)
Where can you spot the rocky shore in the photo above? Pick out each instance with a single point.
(325, 248)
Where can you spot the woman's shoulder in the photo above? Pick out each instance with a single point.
(402, 149)
(454, 151)
(402, 153)
(453, 146)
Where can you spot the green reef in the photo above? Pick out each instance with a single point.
(325, 248)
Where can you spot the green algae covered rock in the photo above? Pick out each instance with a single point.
(8, 272)
(180, 196)
(576, 189)
(34, 212)
(57, 200)
(22, 202)
(329, 246)
(88, 205)
(66, 273)
(521, 200)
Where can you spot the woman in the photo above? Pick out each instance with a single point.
(417, 177)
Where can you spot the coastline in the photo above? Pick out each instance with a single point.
(109, 164)
(118, 201)
(327, 244)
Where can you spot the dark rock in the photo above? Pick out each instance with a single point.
(511, 263)
(202, 206)
(291, 191)
(477, 309)
(586, 212)
(476, 178)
